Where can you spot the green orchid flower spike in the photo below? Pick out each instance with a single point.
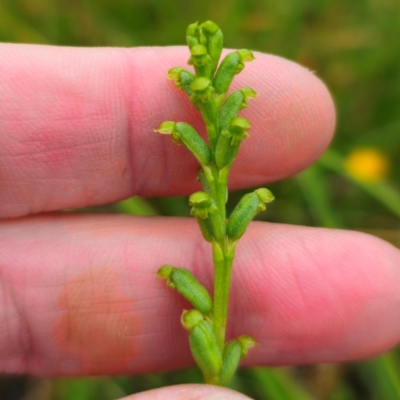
(207, 88)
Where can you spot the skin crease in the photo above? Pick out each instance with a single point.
(78, 293)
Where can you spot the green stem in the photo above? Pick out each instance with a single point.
(222, 265)
(211, 380)
(221, 193)
(209, 113)
(222, 279)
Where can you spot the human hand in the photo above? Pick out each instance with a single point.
(78, 292)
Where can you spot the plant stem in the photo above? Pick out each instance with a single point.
(207, 89)
(222, 264)
(222, 279)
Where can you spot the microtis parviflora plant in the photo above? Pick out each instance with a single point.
(207, 88)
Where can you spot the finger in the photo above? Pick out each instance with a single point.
(189, 392)
(77, 125)
(79, 294)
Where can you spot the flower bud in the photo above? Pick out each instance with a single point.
(188, 286)
(199, 55)
(165, 272)
(210, 27)
(203, 344)
(226, 72)
(214, 43)
(200, 60)
(234, 351)
(244, 212)
(192, 32)
(186, 134)
(246, 55)
(207, 215)
(246, 343)
(229, 141)
(248, 93)
(166, 128)
(201, 177)
(233, 104)
(202, 204)
(232, 64)
(201, 89)
(193, 142)
(230, 361)
(182, 78)
(237, 130)
(230, 109)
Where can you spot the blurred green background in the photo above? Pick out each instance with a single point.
(354, 46)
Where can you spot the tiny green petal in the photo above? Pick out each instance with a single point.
(198, 50)
(248, 93)
(191, 318)
(246, 55)
(166, 128)
(246, 343)
(200, 84)
(202, 89)
(174, 73)
(264, 195)
(200, 203)
(192, 29)
(165, 271)
(206, 213)
(192, 32)
(182, 78)
(240, 123)
(199, 56)
(237, 129)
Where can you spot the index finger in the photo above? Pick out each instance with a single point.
(77, 125)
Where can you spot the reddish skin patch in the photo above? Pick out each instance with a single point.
(94, 301)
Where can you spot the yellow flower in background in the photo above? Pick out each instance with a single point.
(367, 165)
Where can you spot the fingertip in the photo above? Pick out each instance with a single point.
(342, 285)
(189, 392)
(293, 120)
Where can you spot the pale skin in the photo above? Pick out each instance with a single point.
(78, 293)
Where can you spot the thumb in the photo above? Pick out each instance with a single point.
(189, 392)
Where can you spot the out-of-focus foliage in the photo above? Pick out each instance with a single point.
(354, 47)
